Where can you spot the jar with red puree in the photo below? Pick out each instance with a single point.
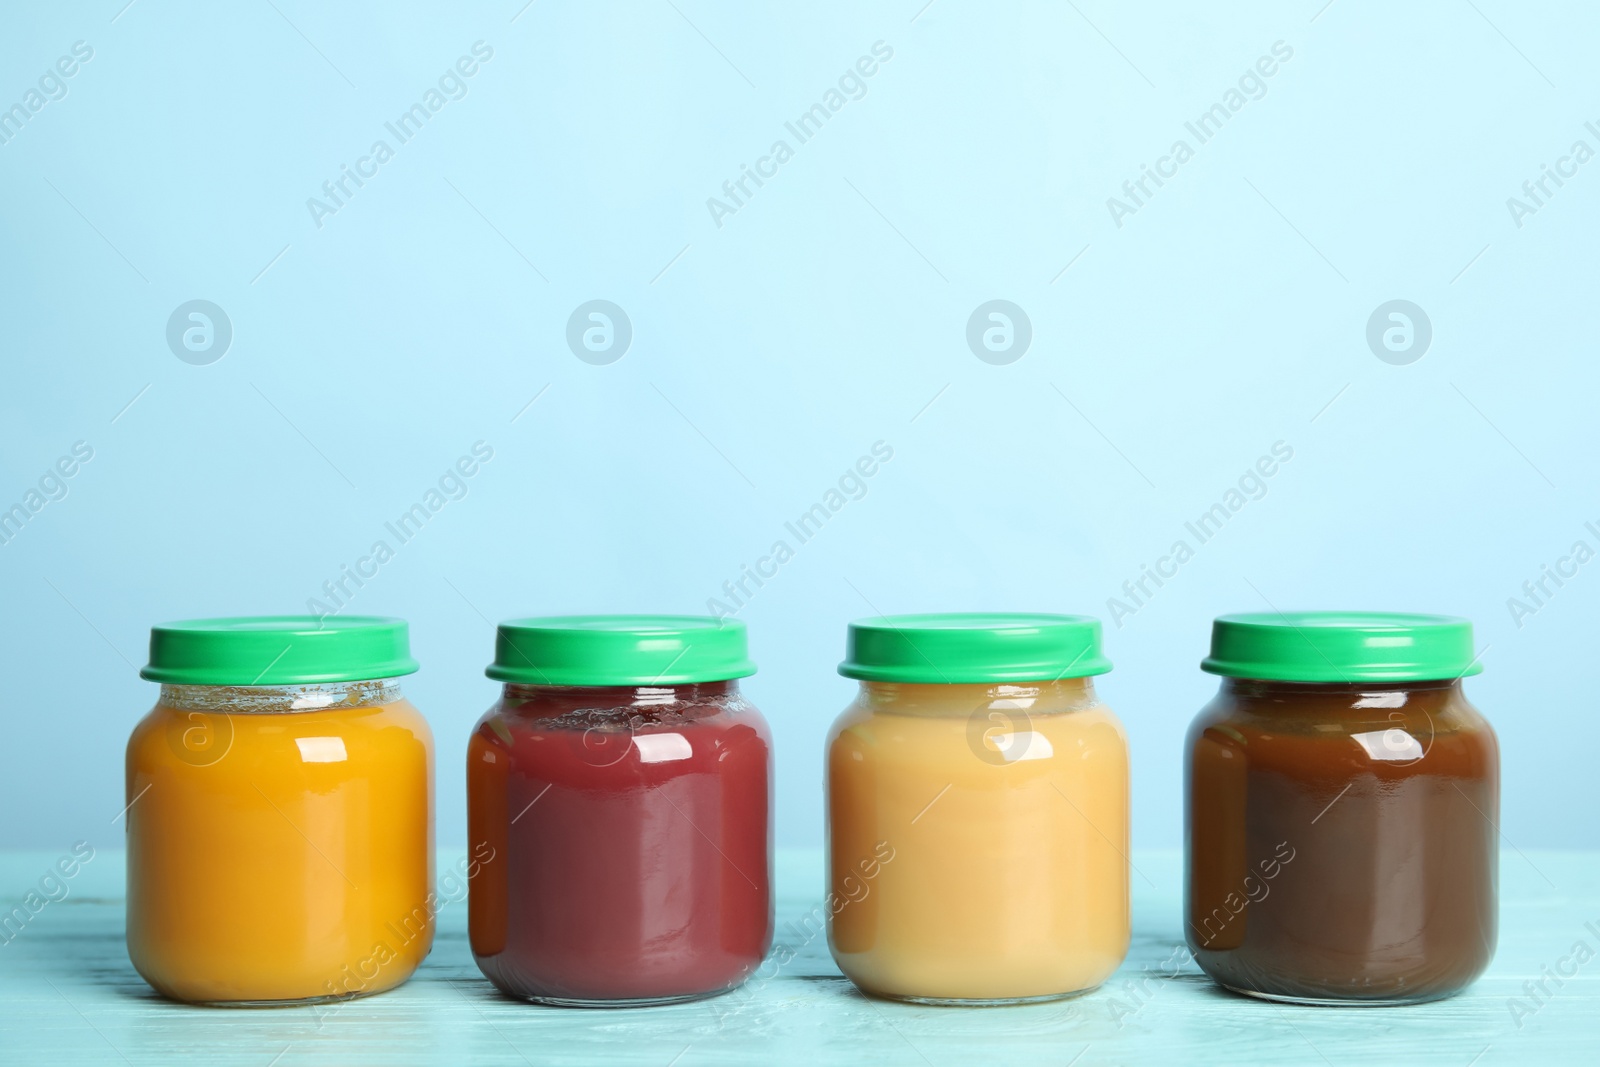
(623, 787)
(1342, 803)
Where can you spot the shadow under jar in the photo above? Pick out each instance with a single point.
(1342, 803)
(619, 800)
(280, 812)
(977, 811)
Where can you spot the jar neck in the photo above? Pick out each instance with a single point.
(1377, 692)
(617, 706)
(281, 699)
(621, 696)
(961, 698)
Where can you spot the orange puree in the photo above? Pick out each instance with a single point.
(280, 855)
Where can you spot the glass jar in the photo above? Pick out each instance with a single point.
(623, 788)
(280, 812)
(977, 811)
(1342, 803)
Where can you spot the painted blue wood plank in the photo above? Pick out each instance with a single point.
(68, 994)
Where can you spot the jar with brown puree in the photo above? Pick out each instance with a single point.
(1343, 798)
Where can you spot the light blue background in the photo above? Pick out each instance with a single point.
(768, 354)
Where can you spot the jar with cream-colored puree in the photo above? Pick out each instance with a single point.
(977, 811)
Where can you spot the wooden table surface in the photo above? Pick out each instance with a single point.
(69, 995)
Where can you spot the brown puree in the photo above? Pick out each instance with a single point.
(1341, 840)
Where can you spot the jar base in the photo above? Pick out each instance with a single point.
(640, 1002)
(1341, 1002)
(980, 1002)
(300, 1002)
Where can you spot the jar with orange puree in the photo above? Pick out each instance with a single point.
(977, 811)
(280, 812)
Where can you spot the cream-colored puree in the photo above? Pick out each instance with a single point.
(1006, 809)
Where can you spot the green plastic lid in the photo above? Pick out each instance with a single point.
(279, 650)
(620, 650)
(973, 647)
(1341, 646)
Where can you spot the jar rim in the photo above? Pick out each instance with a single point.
(971, 647)
(620, 650)
(1341, 647)
(265, 650)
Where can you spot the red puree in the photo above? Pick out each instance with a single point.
(632, 851)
